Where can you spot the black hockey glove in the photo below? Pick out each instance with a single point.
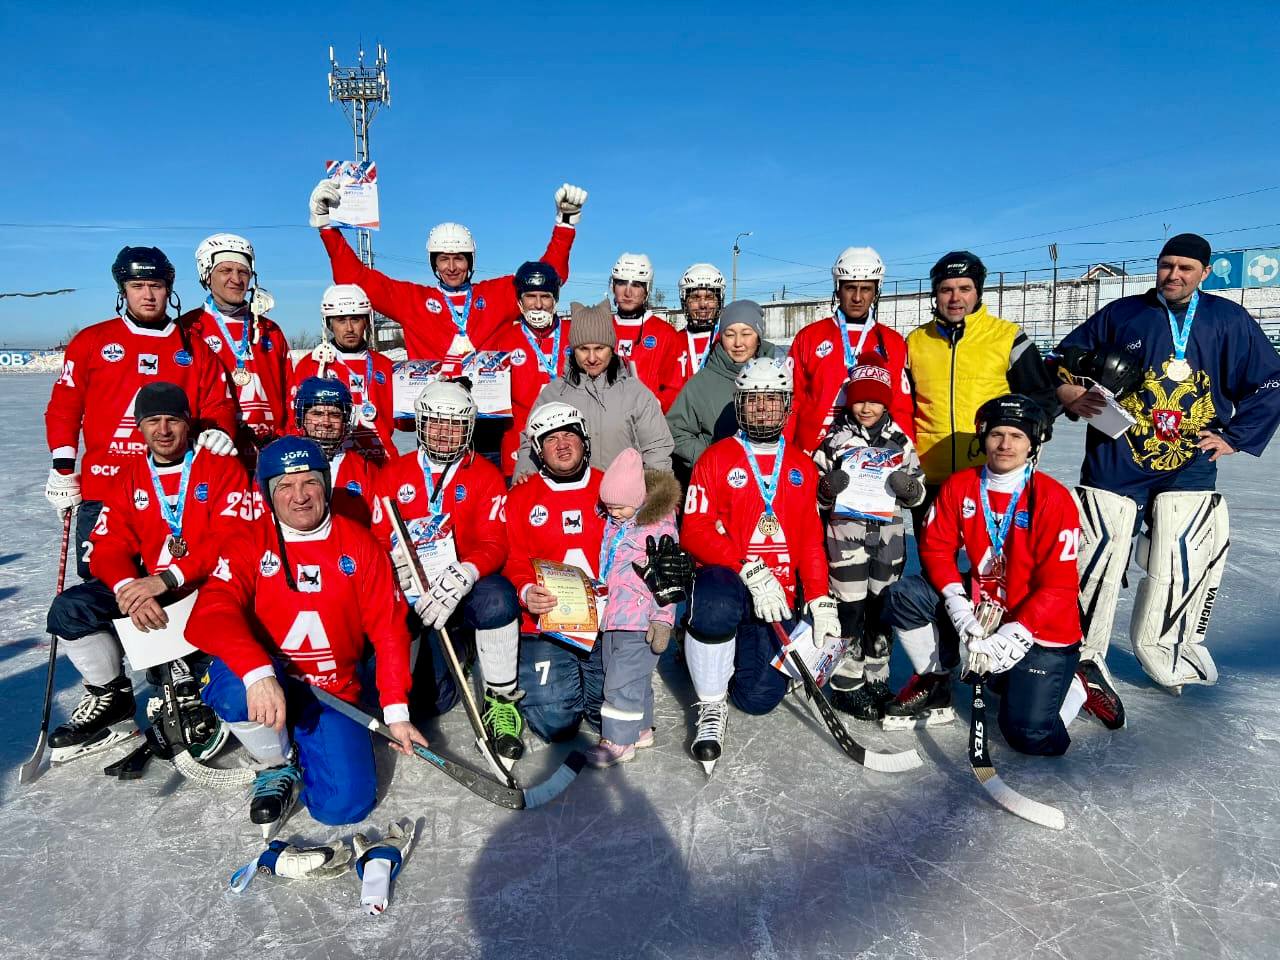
(667, 570)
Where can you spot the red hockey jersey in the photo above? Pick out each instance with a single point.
(557, 521)
(424, 312)
(104, 367)
(355, 486)
(1042, 585)
(655, 352)
(247, 614)
(818, 365)
(531, 357)
(724, 506)
(367, 374)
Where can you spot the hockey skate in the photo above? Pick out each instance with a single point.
(1101, 698)
(925, 701)
(275, 791)
(713, 716)
(102, 720)
(867, 702)
(503, 725)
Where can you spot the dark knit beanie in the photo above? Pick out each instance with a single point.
(1190, 245)
(161, 398)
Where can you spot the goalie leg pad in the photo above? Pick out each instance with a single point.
(1107, 522)
(1183, 555)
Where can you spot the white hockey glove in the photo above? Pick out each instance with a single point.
(826, 620)
(569, 201)
(217, 443)
(324, 352)
(1000, 651)
(960, 610)
(454, 583)
(282, 859)
(63, 490)
(378, 862)
(324, 197)
(767, 597)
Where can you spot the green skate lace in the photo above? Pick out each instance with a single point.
(503, 718)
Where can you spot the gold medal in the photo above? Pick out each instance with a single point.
(177, 547)
(241, 377)
(768, 525)
(1177, 370)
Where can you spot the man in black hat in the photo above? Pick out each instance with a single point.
(1206, 385)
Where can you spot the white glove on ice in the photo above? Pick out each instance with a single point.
(569, 201)
(324, 197)
(282, 859)
(454, 583)
(217, 443)
(324, 352)
(378, 862)
(960, 610)
(1000, 651)
(767, 596)
(63, 490)
(826, 620)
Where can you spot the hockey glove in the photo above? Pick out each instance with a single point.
(658, 635)
(826, 620)
(217, 443)
(63, 490)
(906, 489)
(666, 570)
(569, 201)
(1000, 651)
(454, 583)
(282, 859)
(324, 198)
(767, 596)
(378, 862)
(960, 610)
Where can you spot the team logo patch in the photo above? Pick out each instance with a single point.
(1167, 424)
(308, 578)
(650, 341)
(968, 508)
(459, 493)
(406, 493)
(222, 570)
(824, 348)
(518, 357)
(435, 306)
(379, 376)
(266, 345)
(148, 363)
(202, 492)
(353, 488)
(269, 564)
(112, 352)
(737, 478)
(346, 565)
(1134, 347)
(182, 358)
(140, 499)
(479, 303)
(539, 515)
(571, 521)
(796, 477)
(357, 383)
(1022, 519)
(213, 343)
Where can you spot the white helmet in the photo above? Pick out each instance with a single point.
(222, 246)
(447, 402)
(701, 276)
(634, 268)
(345, 300)
(450, 238)
(858, 263)
(763, 376)
(552, 417)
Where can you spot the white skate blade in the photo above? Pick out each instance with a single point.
(116, 734)
(708, 767)
(930, 718)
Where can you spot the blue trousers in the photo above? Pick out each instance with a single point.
(82, 609)
(86, 520)
(628, 685)
(335, 753)
(561, 687)
(1200, 473)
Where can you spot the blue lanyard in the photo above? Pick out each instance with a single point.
(172, 515)
(433, 492)
(851, 356)
(1181, 334)
(242, 353)
(550, 367)
(998, 533)
(460, 318)
(767, 490)
(607, 557)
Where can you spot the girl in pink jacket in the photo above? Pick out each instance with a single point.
(640, 504)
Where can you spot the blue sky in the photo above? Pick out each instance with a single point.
(949, 125)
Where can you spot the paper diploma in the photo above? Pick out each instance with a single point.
(575, 611)
(358, 182)
(867, 497)
(1113, 419)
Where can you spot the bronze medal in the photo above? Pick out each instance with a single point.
(1177, 370)
(768, 525)
(177, 547)
(241, 377)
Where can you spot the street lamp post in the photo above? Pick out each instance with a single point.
(736, 251)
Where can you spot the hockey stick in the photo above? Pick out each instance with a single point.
(513, 798)
(32, 769)
(871, 759)
(1001, 792)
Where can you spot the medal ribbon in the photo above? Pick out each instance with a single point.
(999, 532)
(609, 554)
(767, 490)
(434, 492)
(550, 367)
(1181, 334)
(172, 515)
(460, 317)
(242, 352)
(851, 356)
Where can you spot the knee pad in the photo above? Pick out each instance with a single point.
(1183, 554)
(491, 603)
(1106, 530)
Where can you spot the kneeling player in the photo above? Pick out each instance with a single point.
(1018, 618)
(322, 412)
(289, 606)
(751, 517)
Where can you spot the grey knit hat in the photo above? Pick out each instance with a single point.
(592, 325)
(743, 311)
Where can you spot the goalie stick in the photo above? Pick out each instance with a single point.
(32, 769)
(513, 798)
(871, 759)
(980, 760)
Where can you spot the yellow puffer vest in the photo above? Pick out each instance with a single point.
(951, 383)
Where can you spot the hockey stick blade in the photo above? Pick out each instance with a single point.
(207, 776)
(1001, 792)
(484, 787)
(871, 759)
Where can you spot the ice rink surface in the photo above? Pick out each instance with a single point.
(1172, 846)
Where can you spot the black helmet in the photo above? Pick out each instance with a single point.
(142, 263)
(958, 263)
(1012, 410)
(537, 276)
(1113, 369)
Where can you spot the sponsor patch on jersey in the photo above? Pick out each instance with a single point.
(824, 348)
(406, 493)
(148, 363)
(213, 343)
(112, 352)
(479, 303)
(434, 306)
(968, 508)
(346, 565)
(459, 493)
(202, 492)
(140, 499)
(353, 488)
(650, 341)
(795, 476)
(357, 383)
(222, 570)
(538, 515)
(182, 358)
(1135, 346)
(518, 357)
(269, 564)
(308, 578)
(737, 478)
(1022, 519)
(379, 377)
(571, 521)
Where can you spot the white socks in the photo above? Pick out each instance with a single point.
(710, 666)
(497, 651)
(98, 657)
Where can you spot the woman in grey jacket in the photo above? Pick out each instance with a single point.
(620, 411)
(703, 412)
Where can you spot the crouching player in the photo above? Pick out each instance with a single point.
(1018, 618)
(287, 606)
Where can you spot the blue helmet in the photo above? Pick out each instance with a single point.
(536, 275)
(323, 392)
(290, 455)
